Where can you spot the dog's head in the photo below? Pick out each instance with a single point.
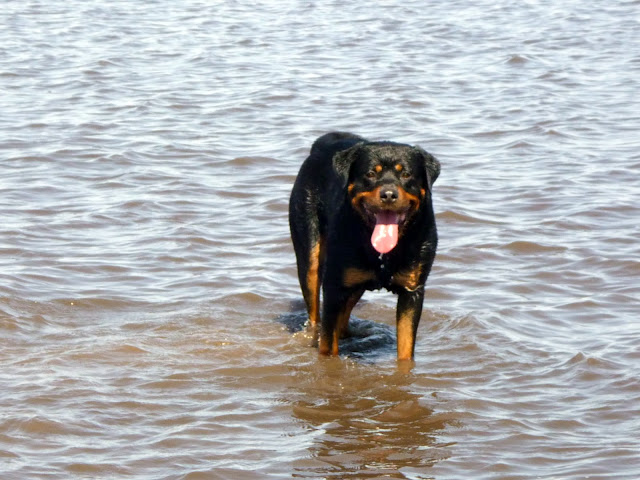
(387, 183)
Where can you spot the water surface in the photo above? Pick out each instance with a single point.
(149, 309)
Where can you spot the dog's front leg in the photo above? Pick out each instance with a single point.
(407, 320)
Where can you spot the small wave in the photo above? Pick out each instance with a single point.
(99, 303)
(523, 246)
(248, 161)
(451, 216)
(519, 145)
(37, 425)
(517, 60)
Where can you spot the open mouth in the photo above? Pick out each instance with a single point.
(385, 232)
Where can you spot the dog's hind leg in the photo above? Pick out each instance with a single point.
(309, 248)
(342, 326)
(308, 244)
(311, 280)
(335, 318)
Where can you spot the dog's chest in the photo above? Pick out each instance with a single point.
(384, 274)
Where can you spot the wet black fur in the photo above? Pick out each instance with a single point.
(320, 211)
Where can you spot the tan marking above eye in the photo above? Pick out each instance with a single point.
(378, 168)
(399, 167)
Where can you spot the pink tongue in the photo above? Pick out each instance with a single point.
(385, 233)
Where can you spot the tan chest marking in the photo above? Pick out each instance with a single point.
(356, 276)
(409, 279)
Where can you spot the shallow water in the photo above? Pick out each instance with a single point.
(150, 317)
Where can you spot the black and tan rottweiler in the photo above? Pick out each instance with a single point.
(361, 218)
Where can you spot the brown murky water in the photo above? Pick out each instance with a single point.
(149, 309)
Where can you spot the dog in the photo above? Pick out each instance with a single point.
(361, 218)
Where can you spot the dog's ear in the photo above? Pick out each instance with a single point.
(431, 165)
(343, 160)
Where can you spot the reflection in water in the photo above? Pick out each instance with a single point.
(367, 424)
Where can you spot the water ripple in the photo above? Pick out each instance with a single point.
(150, 313)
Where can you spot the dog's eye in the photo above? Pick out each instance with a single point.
(371, 174)
(406, 175)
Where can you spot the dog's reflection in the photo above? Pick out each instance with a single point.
(365, 423)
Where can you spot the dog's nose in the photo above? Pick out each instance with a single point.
(388, 195)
